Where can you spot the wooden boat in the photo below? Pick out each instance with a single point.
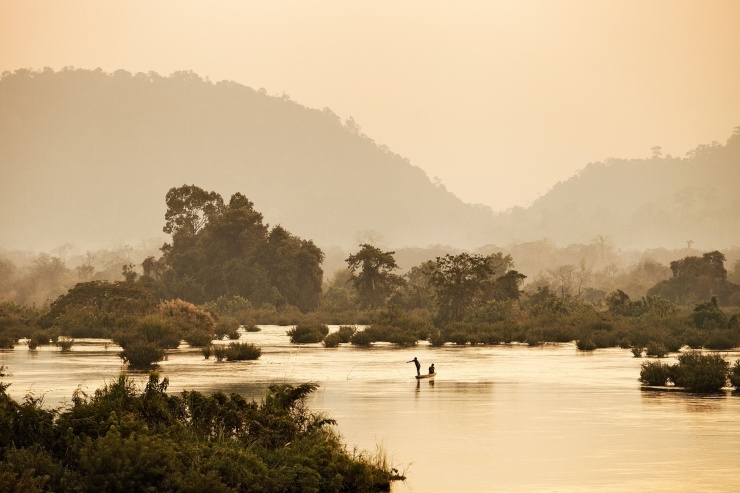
(428, 375)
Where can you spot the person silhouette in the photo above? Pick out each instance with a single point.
(418, 365)
(431, 369)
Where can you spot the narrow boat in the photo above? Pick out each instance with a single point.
(428, 375)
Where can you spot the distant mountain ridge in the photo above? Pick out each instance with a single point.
(87, 157)
(90, 156)
(659, 201)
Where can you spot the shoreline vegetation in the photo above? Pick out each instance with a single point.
(124, 438)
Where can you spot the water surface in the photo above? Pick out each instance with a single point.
(496, 418)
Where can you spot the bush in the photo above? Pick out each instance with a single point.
(227, 326)
(656, 349)
(735, 374)
(188, 317)
(701, 372)
(308, 333)
(158, 330)
(197, 338)
(637, 351)
(7, 342)
(251, 328)
(141, 354)
(236, 351)
(654, 373)
(65, 344)
(346, 332)
(41, 338)
(332, 340)
(585, 345)
(361, 338)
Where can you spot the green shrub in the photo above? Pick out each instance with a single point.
(197, 338)
(65, 344)
(332, 340)
(656, 349)
(701, 372)
(242, 351)
(735, 374)
(346, 332)
(251, 328)
(141, 354)
(361, 338)
(41, 338)
(206, 350)
(437, 339)
(308, 333)
(159, 330)
(654, 373)
(637, 351)
(585, 345)
(219, 352)
(7, 342)
(227, 326)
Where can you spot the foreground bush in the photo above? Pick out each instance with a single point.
(126, 439)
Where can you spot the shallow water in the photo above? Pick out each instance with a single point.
(496, 418)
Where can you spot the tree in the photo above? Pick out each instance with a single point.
(697, 278)
(227, 250)
(372, 275)
(189, 208)
(459, 281)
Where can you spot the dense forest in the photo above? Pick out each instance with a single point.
(88, 154)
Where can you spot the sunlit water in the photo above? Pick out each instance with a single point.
(496, 418)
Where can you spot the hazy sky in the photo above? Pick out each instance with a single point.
(500, 100)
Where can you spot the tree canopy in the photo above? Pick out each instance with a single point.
(222, 249)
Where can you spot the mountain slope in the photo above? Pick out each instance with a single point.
(661, 201)
(87, 157)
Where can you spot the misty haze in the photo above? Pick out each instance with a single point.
(490, 248)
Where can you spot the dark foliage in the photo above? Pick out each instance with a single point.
(123, 439)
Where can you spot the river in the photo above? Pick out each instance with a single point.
(506, 418)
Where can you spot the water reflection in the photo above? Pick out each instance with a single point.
(501, 418)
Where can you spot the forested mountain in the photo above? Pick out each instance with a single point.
(661, 201)
(87, 158)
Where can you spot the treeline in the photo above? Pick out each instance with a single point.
(224, 268)
(126, 439)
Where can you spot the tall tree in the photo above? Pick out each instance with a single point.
(189, 207)
(696, 279)
(372, 275)
(459, 281)
(464, 282)
(226, 249)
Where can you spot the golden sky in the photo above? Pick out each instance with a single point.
(499, 99)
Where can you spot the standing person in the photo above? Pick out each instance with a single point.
(418, 365)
